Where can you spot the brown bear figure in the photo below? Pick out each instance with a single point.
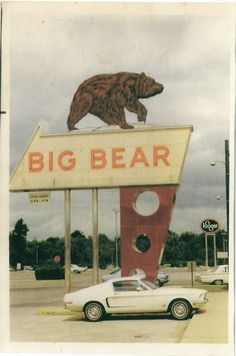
(106, 96)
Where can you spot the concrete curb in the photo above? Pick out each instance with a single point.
(209, 287)
(56, 311)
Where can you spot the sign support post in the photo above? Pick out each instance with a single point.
(210, 227)
(67, 203)
(214, 242)
(206, 249)
(95, 235)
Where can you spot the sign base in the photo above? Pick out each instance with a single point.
(153, 228)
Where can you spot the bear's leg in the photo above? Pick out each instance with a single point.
(80, 106)
(137, 108)
(121, 121)
(116, 116)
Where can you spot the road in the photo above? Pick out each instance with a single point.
(27, 296)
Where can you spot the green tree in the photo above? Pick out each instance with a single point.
(48, 249)
(18, 243)
(193, 247)
(173, 252)
(106, 246)
(81, 249)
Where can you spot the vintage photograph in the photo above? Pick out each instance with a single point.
(117, 194)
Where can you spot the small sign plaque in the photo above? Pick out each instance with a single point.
(222, 254)
(40, 197)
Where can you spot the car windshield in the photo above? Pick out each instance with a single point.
(115, 271)
(149, 284)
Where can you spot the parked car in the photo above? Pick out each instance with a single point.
(134, 294)
(77, 269)
(162, 278)
(28, 268)
(215, 275)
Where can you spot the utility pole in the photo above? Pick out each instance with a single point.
(227, 188)
(67, 214)
(116, 211)
(95, 236)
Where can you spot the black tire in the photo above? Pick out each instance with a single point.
(94, 311)
(158, 283)
(218, 282)
(180, 309)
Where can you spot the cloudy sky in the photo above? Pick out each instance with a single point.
(56, 46)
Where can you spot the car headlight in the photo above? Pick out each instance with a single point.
(202, 297)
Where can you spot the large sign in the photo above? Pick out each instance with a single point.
(108, 158)
(210, 225)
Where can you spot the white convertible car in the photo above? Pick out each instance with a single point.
(134, 295)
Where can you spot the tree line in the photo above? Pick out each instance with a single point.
(179, 248)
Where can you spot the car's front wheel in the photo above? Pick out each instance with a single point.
(180, 309)
(94, 311)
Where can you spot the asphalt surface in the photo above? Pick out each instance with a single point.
(37, 306)
(37, 315)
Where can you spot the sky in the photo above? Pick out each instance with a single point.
(54, 47)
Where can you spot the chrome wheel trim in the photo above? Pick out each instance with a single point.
(180, 310)
(94, 311)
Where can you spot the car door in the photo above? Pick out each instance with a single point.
(128, 296)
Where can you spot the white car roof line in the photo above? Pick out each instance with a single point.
(125, 278)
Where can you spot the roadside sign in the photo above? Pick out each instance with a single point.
(222, 254)
(210, 226)
(108, 158)
(57, 259)
(39, 197)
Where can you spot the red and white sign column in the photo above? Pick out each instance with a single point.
(154, 226)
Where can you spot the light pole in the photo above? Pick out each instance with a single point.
(37, 254)
(224, 245)
(226, 164)
(116, 211)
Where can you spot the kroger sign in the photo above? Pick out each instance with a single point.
(210, 225)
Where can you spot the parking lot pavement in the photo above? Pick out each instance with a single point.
(30, 327)
(30, 296)
(207, 326)
(211, 324)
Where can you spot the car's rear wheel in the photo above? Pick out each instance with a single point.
(218, 282)
(180, 309)
(94, 311)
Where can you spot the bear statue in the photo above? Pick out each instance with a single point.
(106, 96)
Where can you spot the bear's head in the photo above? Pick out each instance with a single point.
(147, 87)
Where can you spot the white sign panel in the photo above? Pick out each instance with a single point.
(39, 197)
(108, 158)
(222, 254)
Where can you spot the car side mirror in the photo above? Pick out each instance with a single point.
(139, 289)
